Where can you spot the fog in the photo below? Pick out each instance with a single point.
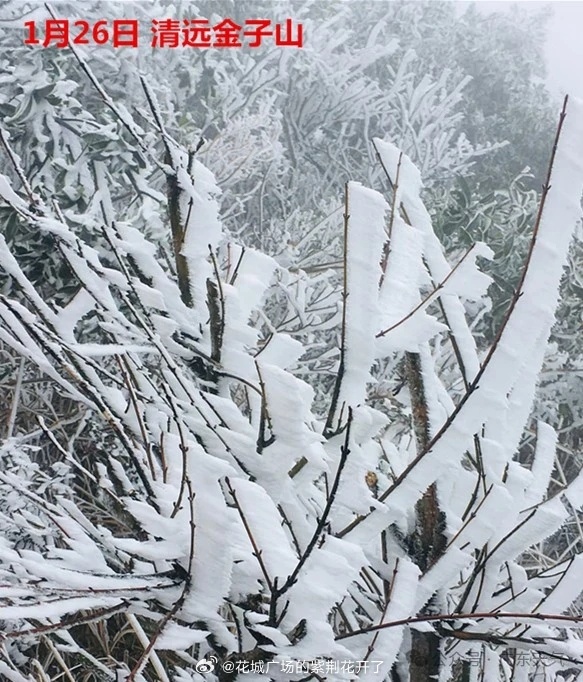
(564, 46)
(564, 49)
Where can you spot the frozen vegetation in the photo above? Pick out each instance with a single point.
(265, 422)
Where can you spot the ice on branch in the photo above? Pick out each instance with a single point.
(200, 511)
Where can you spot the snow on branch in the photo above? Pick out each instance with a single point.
(204, 516)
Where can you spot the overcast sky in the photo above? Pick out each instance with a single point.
(564, 47)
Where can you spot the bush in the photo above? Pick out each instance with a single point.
(205, 521)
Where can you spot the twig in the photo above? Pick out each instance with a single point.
(15, 400)
(144, 641)
(147, 653)
(394, 208)
(344, 452)
(430, 296)
(256, 551)
(450, 618)
(216, 306)
(264, 418)
(129, 380)
(388, 594)
(66, 622)
(545, 190)
(340, 374)
(473, 386)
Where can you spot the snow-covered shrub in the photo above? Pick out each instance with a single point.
(216, 525)
(281, 124)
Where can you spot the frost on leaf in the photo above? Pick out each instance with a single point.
(201, 506)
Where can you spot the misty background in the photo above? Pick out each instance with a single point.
(563, 46)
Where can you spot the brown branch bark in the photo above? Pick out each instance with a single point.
(427, 541)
